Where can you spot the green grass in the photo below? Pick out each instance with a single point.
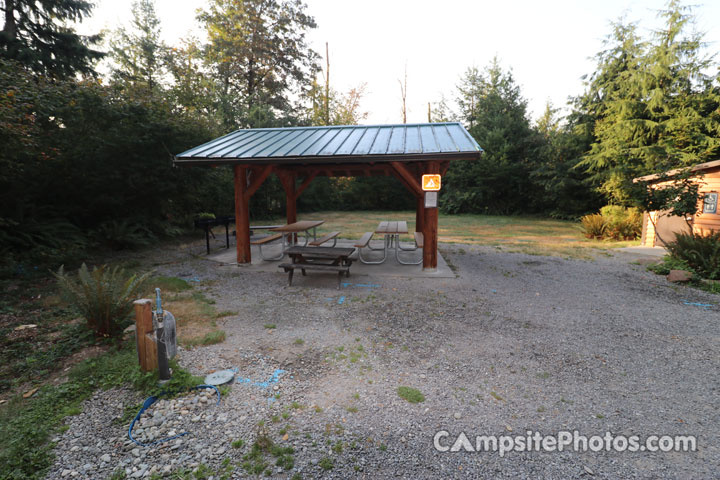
(27, 424)
(36, 352)
(270, 326)
(533, 235)
(412, 395)
(211, 338)
(169, 284)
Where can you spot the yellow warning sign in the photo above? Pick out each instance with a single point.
(431, 183)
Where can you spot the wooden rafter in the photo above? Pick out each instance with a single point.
(408, 177)
(257, 179)
(305, 183)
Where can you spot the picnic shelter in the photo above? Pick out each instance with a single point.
(299, 154)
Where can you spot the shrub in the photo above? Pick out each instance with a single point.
(669, 263)
(104, 297)
(622, 223)
(122, 234)
(700, 252)
(594, 225)
(613, 221)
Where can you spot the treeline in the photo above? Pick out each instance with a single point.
(86, 158)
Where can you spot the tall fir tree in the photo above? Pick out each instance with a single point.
(650, 106)
(258, 56)
(493, 109)
(35, 35)
(139, 52)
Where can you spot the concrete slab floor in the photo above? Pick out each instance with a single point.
(390, 268)
(650, 251)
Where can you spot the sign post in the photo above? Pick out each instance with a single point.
(431, 185)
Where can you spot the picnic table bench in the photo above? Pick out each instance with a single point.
(327, 259)
(330, 236)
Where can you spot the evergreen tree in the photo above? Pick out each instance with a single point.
(34, 34)
(139, 53)
(258, 56)
(564, 191)
(495, 113)
(649, 107)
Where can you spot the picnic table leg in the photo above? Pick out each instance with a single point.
(207, 238)
(340, 275)
(227, 234)
(290, 275)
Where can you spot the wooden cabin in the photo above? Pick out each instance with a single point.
(705, 220)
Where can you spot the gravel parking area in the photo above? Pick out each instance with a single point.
(514, 343)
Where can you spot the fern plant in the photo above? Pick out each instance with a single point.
(700, 252)
(104, 297)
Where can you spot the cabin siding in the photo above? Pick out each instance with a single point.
(702, 223)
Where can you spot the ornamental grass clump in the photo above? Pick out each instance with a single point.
(594, 225)
(104, 297)
(615, 222)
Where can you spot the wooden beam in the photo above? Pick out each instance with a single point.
(287, 179)
(412, 182)
(242, 215)
(305, 183)
(405, 184)
(444, 168)
(257, 180)
(419, 214)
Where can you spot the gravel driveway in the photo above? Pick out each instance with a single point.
(514, 343)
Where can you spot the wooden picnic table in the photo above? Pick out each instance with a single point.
(297, 227)
(332, 259)
(392, 231)
(392, 228)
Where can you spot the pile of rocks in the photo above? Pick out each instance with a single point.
(167, 418)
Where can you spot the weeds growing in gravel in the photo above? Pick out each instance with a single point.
(26, 424)
(326, 463)
(216, 336)
(412, 395)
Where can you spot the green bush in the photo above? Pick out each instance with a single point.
(669, 263)
(622, 223)
(594, 225)
(104, 297)
(613, 221)
(700, 252)
(122, 234)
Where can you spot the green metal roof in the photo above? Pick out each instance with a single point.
(334, 144)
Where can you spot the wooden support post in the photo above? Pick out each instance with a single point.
(287, 179)
(242, 215)
(430, 228)
(419, 214)
(145, 335)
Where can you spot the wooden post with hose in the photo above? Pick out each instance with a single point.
(145, 335)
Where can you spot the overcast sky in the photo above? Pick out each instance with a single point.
(547, 44)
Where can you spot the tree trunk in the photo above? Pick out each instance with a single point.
(10, 28)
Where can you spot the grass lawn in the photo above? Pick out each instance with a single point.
(533, 235)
